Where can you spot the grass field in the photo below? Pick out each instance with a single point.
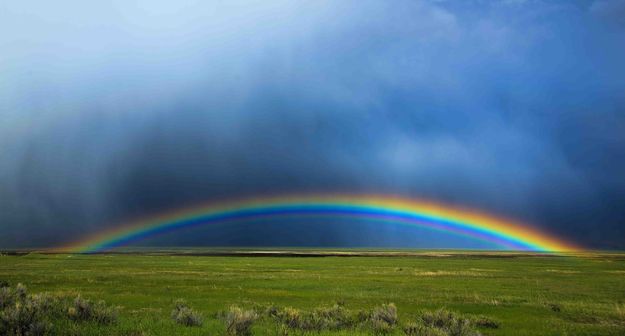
(526, 294)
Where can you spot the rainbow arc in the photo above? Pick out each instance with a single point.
(505, 233)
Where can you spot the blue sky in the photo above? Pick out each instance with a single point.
(120, 109)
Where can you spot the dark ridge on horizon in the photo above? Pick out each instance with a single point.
(321, 253)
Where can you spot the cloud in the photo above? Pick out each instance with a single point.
(128, 109)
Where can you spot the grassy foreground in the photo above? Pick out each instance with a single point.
(526, 295)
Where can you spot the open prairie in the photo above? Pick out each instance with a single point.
(521, 294)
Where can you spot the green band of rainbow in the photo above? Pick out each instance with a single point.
(385, 209)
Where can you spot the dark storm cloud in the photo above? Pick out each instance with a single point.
(514, 107)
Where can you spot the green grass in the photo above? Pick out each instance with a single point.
(527, 295)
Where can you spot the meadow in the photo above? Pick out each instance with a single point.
(518, 294)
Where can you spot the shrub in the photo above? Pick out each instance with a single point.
(272, 311)
(415, 329)
(323, 318)
(485, 322)
(21, 315)
(239, 322)
(20, 291)
(46, 302)
(437, 319)
(449, 322)
(7, 298)
(383, 319)
(462, 327)
(381, 327)
(283, 330)
(39, 328)
(85, 310)
(22, 319)
(335, 317)
(179, 304)
(184, 315)
(290, 317)
(4, 284)
(188, 317)
(386, 313)
(258, 308)
(362, 316)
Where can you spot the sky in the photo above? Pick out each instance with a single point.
(121, 109)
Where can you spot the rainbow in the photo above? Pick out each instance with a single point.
(386, 209)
